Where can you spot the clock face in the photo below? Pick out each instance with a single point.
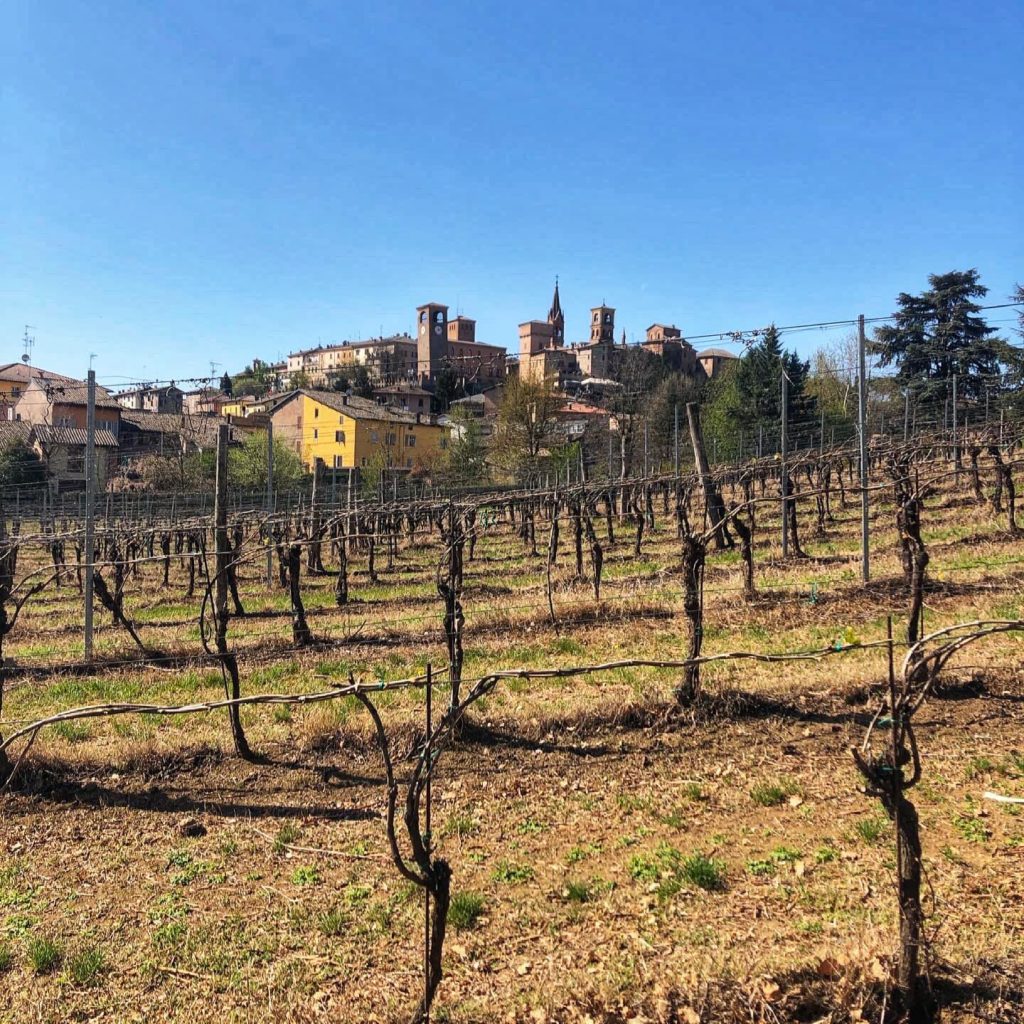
(423, 329)
(437, 329)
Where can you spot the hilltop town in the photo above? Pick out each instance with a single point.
(394, 404)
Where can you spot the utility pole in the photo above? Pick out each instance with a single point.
(783, 474)
(675, 435)
(956, 443)
(90, 501)
(862, 418)
(270, 502)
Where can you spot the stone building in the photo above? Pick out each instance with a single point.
(443, 344)
(668, 344)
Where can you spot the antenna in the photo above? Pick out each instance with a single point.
(213, 368)
(29, 342)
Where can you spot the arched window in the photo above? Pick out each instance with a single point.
(423, 317)
(439, 317)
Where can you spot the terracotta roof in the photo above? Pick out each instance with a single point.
(13, 430)
(356, 408)
(198, 430)
(24, 372)
(717, 353)
(71, 436)
(67, 391)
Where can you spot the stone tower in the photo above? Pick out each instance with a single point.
(431, 340)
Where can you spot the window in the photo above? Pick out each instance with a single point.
(408, 463)
(363, 463)
(438, 317)
(316, 434)
(597, 318)
(607, 318)
(339, 462)
(392, 439)
(374, 437)
(421, 403)
(316, 411)
(423, 317)
(339, 436)
(410, 440)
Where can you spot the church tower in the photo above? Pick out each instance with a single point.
(557, 319)
(602, 325)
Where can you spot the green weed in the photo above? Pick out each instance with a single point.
(464, 910)
(45, 955)
(87, 966)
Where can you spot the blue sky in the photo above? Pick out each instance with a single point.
(193, 181)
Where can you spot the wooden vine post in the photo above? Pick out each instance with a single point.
(224, 554)
(712, 498)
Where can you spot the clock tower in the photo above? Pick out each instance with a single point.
(431, 340)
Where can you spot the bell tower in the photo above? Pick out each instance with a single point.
(431, 340)
(602, 325)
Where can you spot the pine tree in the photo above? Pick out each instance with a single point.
(940, 333)
(225, 383)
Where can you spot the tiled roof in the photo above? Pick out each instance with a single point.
(717, 353)
(23, 373)
(65, 391)
(13, 430)
(357, 408)
(194, 429)
(46, 434)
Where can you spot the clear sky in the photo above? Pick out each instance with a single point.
(191, 181)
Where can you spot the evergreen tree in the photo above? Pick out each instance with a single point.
(940, 333)
(758, 391)
(225, 383)
(448, 386)
(361, 385)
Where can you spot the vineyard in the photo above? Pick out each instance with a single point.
(610, 751)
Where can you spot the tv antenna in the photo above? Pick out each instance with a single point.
(29, 342)
(213, 368)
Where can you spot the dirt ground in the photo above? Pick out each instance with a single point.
(614, 858)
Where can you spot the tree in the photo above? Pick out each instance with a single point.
(20, 465)
(225, 383)
(940, 333)
(640, 373)
(448, 386)
(758, 396)
(251, 381)
(833, 385)
(670, 395)
(527, 419)
(361, 385)
(464, 463)
(247, 463)
(341, 382)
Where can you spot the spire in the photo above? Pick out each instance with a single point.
(555, 314)
(623, 335)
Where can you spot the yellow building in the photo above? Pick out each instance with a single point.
(346, 432)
